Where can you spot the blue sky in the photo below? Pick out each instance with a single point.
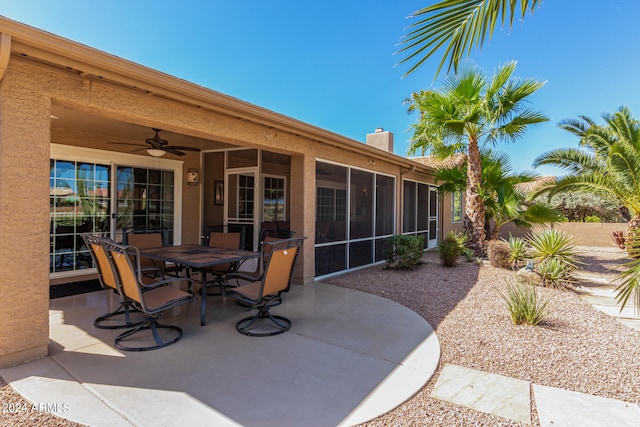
(332, 63)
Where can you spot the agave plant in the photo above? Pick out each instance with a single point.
(548, 245)
(519, 251)
(554, 273)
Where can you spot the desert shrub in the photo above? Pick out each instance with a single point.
(552, 244)
(499, 253)
(592, 218)
(450, 249)
(518, 251)
(524, 303)
(468, 254)
(405, 252)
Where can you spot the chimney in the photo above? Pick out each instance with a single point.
(381, 139)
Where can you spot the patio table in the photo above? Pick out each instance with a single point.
(198, 257)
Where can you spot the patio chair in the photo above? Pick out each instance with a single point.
(252, 276)
(108, 280)
(146, 241)
(266, 293)
(220, 239)
(151, 299)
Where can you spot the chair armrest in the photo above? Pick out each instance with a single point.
(239, 275)
(168, 282)
(156, 271)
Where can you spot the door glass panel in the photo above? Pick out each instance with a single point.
(423, 206)
(241, 197)
(144, 201)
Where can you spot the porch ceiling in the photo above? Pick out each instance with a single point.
(119, 131)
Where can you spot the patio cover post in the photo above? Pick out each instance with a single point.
(24, 219)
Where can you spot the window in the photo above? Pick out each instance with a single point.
(79, 204)
(89, 194)
(274, 197)
(456, 206)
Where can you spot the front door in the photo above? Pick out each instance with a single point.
(241, 202)
(432, 241)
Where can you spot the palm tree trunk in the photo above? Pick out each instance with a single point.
(495, 233)
(474, 206)
(632, 237)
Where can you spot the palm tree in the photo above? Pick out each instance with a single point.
(607, 162)
(462, 23)
(504, 200)
(469, 110)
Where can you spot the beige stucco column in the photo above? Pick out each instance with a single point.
(303, 212)
(24, 223)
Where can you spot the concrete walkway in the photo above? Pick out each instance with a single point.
(601, 293)
(510, 398)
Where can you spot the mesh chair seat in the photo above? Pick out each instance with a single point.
(266, 293)
(151, 299)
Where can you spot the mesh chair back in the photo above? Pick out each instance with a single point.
(105, 272)
(279, 266)
(145, 241)
(100, 257)
(224, 240)
(123, 263)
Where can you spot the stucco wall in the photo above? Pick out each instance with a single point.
(584, 233)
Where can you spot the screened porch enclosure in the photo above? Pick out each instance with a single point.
(354, 217)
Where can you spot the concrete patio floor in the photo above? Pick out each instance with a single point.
(348, 358)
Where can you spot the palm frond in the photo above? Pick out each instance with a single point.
(570, 159)
(456, 26)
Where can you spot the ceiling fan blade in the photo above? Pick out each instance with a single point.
(172, 150)
(180, 147)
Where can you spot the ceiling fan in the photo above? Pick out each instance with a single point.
(158, 147)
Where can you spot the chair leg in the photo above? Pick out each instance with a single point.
(282, 324)
(152, 324)
(124, 308)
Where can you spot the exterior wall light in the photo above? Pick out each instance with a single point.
(192, 176)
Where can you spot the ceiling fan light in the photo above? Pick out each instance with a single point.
(156, 152)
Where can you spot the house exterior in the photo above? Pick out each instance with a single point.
(73, 160)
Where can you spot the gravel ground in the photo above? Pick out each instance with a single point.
(576, 347)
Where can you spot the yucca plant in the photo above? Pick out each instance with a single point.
(552, 244)
(553, 273)
(519, 251)
(524, 303)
